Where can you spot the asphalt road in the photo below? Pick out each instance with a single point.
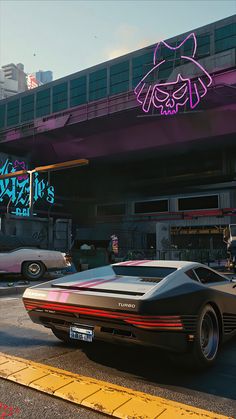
(138, 368)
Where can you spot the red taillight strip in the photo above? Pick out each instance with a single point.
(160, 324)
(160, 328)
(144, 322)
(84, 310)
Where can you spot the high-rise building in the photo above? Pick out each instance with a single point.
(8, 87)
(44, 76)
(13, 79)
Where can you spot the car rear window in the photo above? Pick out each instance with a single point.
(143, 271)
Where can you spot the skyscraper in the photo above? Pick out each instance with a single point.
(44, 76)
(16, 72)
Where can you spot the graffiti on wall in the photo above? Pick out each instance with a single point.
(16, 189)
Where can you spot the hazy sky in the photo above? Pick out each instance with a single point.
(68, 36)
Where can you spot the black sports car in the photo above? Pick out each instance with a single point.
(183, 307)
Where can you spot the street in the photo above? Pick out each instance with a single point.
(137, 368)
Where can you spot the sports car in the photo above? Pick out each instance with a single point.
(183, 307)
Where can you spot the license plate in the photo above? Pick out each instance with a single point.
(81, 333)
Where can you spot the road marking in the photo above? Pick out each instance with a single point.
(111, 399)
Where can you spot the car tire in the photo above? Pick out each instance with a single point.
(33, 270)
(207, 340)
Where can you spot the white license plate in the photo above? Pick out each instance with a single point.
(81, 333)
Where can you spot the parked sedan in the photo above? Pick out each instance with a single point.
(32, 263)
(183, 307)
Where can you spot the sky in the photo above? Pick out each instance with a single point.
(67, 36)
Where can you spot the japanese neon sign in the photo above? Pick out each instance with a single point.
(184, 89)
(16, 189)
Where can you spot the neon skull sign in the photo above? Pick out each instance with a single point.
(182, 87)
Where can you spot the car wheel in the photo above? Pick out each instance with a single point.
(33, 270)
(206, 345)
(204, 349)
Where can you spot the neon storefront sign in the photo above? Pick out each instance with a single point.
(15, 190)
(186, 88)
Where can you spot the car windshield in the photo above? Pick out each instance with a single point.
(143, 271)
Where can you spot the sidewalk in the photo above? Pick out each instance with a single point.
(16, 285)
(10, 286)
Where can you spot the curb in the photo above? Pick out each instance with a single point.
(18, 290)
(104, 397)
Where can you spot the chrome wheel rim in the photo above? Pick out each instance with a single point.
(34, 269)
(209, 335)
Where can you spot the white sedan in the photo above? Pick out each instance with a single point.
(32, 263)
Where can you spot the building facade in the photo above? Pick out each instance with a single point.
(12, 80)
(158, 127)
(44, 76)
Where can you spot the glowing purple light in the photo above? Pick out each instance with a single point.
(169, 97)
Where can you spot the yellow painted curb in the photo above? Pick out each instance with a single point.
(104, 397)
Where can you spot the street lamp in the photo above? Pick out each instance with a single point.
(50, 168)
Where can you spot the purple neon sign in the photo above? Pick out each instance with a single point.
(187, 87)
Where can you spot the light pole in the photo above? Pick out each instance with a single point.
(50, 168)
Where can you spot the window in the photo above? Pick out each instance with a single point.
(143, 271)
(27, 108)
(78, 89)
(198, 202)
(151, 206)
(119, 78)
(203, 45)
(13, 112)
(2, 116)
(141, 65)
(59, 97)
(207, 276)
(98, 84)
(165, 70)
(191, 274)
(225, 37)
(112, 209)
(43, 103)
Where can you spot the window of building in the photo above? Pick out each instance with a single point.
(78, 91)
(27, 108)
(111, 209)
(98, 84)
(13, 112)
(188, 47)
(198, 202)
(59, 97)
(140, 66)
(43, 103)
(151, 206)
(165, 70)
(2, 115)
(207, 276)
(203, 45)
(119, 78)
(225, 37)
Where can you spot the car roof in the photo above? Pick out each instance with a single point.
(159, 263)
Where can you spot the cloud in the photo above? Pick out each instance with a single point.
(127, 39)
